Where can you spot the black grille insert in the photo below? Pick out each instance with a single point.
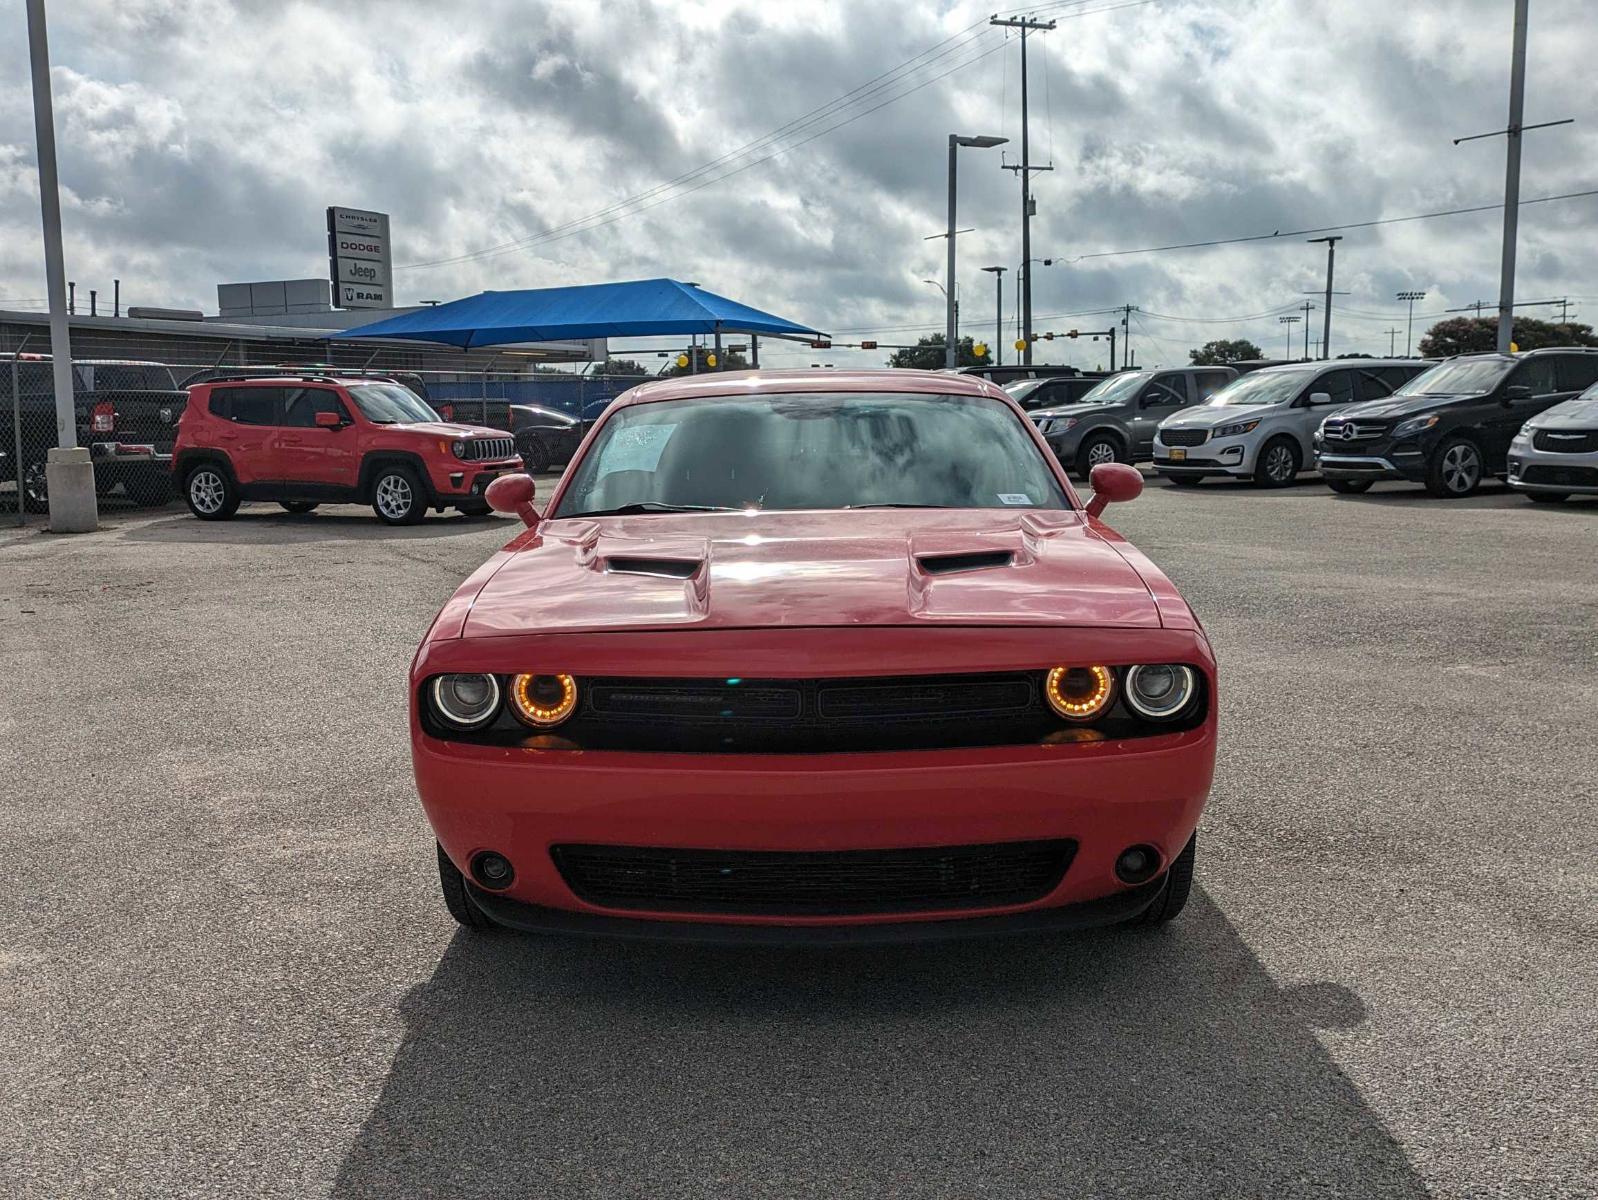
(1560, 476)
(814, 883)
(1184, 437)
(489, 449)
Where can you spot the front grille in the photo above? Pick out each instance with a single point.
(489, 449)
(814, 883)
(1184, 437)
(1566, 441)
(1337, 433)
(1560, 476)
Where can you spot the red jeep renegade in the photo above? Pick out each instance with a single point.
(302, 440)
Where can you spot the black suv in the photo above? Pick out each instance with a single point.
(127, 415)
(1451, 426)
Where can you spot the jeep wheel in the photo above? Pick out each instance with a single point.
(397, 496)
(457, 897)
(1278, 463)
(149, 490)
(298, 506)
(1178, 885)
(1455, 470)
(35, 489)
(535, 454)
(1547, 497)
(210, 494)
(1349, 487)
(1099, 448)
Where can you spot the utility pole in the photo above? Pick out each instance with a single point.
(1392, 341)
(1564, 314)
(998, 313)
(1289, 322)
(69, 475)
(1126, 337)
(1025, 25)
(1331, 259)
(1308, 306)
(1409, 338)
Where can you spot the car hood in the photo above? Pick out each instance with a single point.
(1070, 410)
(1213, 416)
(882, 567)
(1404, 406)
(446, 429)
(1581, 413)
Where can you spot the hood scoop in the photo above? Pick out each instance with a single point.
(971, 560)
(660, 568)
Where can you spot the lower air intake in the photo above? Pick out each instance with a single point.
(814, 883)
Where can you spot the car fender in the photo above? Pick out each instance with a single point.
(373, 460)
(186, 460)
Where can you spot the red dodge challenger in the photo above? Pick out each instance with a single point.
(814, 656)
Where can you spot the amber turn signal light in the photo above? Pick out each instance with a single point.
(1079, 693)
(543, 701)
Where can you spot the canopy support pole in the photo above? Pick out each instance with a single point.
(754, 351)
(718, 346)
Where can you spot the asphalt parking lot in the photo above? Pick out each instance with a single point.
(225, 969)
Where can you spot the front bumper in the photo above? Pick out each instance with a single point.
(467, 480)
(1534, 470)
(1209, 458)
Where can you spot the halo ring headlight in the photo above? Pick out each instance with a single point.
(465, 701)
(1080, 693)
(1160, 691)
(543, 701)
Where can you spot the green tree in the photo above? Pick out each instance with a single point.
(928, 354)
(1224, 350)
(624, 367)
(1479, 335)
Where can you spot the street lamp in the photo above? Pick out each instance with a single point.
(998, 313)
(950, 355)
(1289, 322)
(1410, 336)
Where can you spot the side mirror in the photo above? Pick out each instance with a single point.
(1516, 391)
(514, 494)
(329, 420)
(1113, 483)
(1319, 398)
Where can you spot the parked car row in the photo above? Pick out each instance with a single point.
(1531, 418)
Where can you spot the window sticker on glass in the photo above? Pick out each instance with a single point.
(1014, 498)
(635, 449)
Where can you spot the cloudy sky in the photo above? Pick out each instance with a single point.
(522, 144)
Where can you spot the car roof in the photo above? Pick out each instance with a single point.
(290, 377)
(1490, 354)
(1332, 364)
(737, 384)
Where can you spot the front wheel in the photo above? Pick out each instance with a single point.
(1547, 497)
(35, 489)
(457, 897)
(1349, 487)
(1278, 463)
(1178, 885)
(210, 494)
(1098, 448)
(397, 496)
(1455, 470)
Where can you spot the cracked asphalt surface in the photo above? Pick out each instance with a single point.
(225, 969)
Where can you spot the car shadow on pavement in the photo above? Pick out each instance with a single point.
(1117, 1063)
(268, 525)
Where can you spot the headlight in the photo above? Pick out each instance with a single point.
(460, 449)
(1159, 692)
(1413, 426)
(1079, 693)
(1525, 433)
(465, 701)
(1238, 429)
(543, 701)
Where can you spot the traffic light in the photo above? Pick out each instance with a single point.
(980, 349)
(868, 345)
(1072, 334)
(682, 360)
(821, 344)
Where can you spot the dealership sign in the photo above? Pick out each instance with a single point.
(361, 262)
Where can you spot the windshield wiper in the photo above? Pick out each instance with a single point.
(650, 506)
(891, 504)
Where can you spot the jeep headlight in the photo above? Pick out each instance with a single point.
(1414, 425)
(1238, 429)
(459, 449)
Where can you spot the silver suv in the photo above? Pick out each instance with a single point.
(1115, 422)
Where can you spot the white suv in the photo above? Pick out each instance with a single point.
(1261, 426)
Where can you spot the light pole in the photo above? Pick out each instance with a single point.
(1331, 257)
(998, 313)
(954, 307)
(1289, 322)
(1023, 273)
(982, 142)
(1409, 338)
(69, 475)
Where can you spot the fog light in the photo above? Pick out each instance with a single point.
(1137, 864)
(492, 871)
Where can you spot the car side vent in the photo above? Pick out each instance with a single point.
(977, 560)
(665, 568)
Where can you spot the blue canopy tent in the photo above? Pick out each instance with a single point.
(642, 308)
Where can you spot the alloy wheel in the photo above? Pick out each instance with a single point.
(1279, 463)
(1461, 468)
(207, 491)
(394, 497)
(36, 487)
(1100, 452)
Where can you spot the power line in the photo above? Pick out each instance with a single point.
(1291, 233)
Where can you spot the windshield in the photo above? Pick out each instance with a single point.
(124, 377)
(812, 450)
(1263, 387)
(390, 404)
(1469, 377)
(1115, 389)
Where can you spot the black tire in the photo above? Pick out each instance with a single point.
(35, 488)
(1098, 448)
(298, 506)
(1349, 487)
(1278, 463)
(1186, 480)
(1455, 469)
(1178, 885)
(458, 897)
(535, 454)
(397, 496)
(1547, 497)
(209, 492)
(149, 490)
